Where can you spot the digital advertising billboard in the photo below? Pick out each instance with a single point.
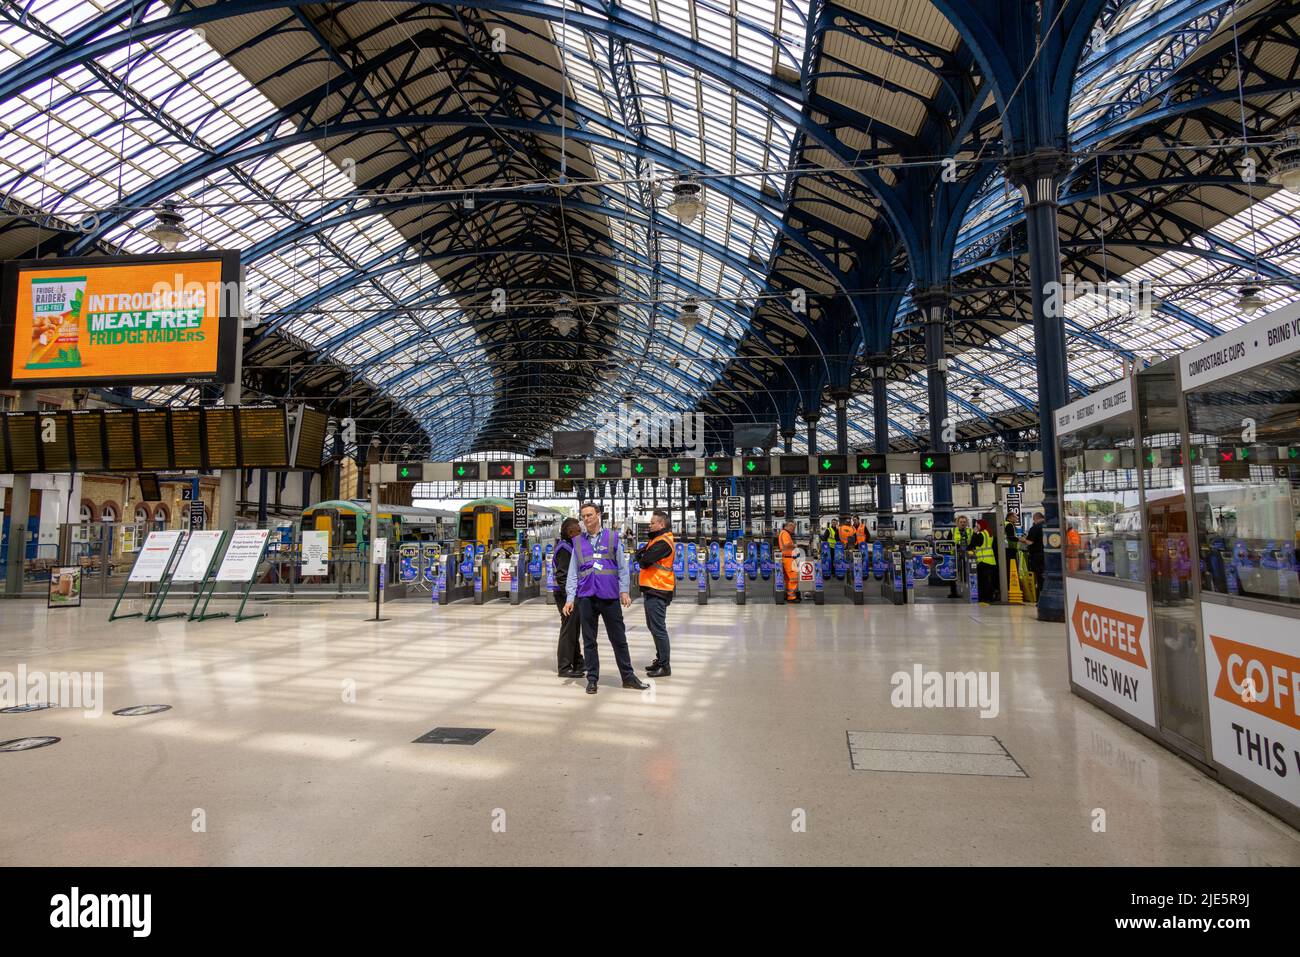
(120, 320)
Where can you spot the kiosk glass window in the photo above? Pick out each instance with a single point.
(1100, 502)
(1174, 614)
(1245, 434)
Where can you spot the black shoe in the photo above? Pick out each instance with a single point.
(636, 684)
(653, 664)
(572, 673)
(658, 671)
(591, 687)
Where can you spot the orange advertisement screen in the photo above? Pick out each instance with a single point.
(119, 320)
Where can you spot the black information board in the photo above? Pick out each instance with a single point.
(155, 447)
(88, 440)
(119, 435)
(150, 489)
(263, 437)
(310, 452)
(794, 464)
(21, 427)
(222, 452)
(187, 438)
(55, 429)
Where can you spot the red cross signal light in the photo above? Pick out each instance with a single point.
(501, 470)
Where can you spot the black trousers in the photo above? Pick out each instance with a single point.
(568, 655)
(987, 580)
(612, 612)
(656, 619)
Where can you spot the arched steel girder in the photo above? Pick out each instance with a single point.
(166, 186)
(259, 142)
(1157, 24)
(390, 384)
(1222, 251)
(972, 372)
(704, 244)
(1031, 54)
(380, 265)
(773, 94)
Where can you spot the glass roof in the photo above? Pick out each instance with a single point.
(76, 144)
(686, 111)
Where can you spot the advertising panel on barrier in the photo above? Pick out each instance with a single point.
(155, 555)
(1253, 676)
(1110, 646)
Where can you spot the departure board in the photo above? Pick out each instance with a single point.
(187, 447)
(119, 428)
(310, 451)
(22, 441)
(56, 442)
(155, 447)
(219, 431)
(263, 438)
(88, 440)
(4, 454)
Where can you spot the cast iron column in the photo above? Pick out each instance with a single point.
(880, 426)
(814, 506)
(789, 483)
(1039, 176)
(842, 442)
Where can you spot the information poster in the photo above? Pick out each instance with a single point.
(65, 587)
(1253, 677)
(315, 553)
(243, 555)
(1110, 646)
(200, 548)
(112, 321)
(154, 556)
(130, 538)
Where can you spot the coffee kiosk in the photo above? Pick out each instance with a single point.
(1181, 506)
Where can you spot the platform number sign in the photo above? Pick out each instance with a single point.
(521, 512)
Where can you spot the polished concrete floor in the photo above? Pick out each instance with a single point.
(289, 741)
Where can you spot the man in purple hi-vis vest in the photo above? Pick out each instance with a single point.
(598, 582)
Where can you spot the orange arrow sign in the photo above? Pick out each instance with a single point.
(1114, 632)
(1258, 680)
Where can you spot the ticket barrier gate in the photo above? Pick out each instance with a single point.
(456, 575)
(896, 582)
(527, 580)
(697, 570)
(493, 575)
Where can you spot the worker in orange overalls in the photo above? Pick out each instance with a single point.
(860, 528)
(848, 534)
(785, 545)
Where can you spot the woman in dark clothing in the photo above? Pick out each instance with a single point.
(569, 653)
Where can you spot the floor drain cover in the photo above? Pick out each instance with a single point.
(27, 744)
(136, 710)
(924, 753)
(454, 736)
(24, 708)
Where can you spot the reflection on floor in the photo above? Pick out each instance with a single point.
(290, 740)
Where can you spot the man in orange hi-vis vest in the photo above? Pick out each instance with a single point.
(785, 545)
(658, 583)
